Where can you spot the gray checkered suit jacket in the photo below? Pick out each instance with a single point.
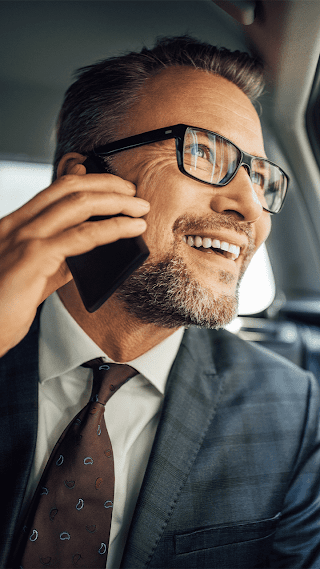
(233, 477)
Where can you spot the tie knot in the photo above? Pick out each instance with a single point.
(108, 378)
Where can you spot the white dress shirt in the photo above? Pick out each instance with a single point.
(131, 415)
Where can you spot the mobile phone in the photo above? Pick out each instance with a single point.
(98, 273)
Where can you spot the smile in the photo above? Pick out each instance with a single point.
(229, 250)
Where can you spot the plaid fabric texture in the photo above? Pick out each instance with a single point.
(234, 474)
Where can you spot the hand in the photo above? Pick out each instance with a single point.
(36, 239)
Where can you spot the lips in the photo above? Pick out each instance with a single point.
(229, 250)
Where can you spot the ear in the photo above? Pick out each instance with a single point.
(71, 163)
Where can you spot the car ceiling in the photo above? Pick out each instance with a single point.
(43, 42)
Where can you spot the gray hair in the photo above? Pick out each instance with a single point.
(99, 100)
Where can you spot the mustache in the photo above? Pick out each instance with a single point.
(192, 224)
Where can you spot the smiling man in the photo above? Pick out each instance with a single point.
(188, 243)
(208, 453)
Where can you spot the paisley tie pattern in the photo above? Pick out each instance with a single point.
(69, 522)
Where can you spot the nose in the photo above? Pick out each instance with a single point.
(239, 197)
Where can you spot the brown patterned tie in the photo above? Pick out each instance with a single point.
(69, 523)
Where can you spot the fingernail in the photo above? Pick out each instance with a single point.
(140, 223)
(131, 186)
(144, 204)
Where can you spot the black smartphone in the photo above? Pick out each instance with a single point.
(98, 273)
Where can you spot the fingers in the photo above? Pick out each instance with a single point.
(66, 185)
(30, 263)
(36, 239)
(76, 208)
(82, 239)
(89, 235)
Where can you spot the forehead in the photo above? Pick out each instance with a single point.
(197, 98)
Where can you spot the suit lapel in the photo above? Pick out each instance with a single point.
(18, 427)
(193, 393)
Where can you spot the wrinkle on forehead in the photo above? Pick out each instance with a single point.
(198, 98)
(243, 115)
(161, 88)
(246, 124)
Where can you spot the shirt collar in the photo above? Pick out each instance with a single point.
(66, 350)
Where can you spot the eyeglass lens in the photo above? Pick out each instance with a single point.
(213, 159)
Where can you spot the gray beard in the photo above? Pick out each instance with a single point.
(166, 295)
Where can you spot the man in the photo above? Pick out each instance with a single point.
(215, 441)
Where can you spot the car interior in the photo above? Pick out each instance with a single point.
(44, 42)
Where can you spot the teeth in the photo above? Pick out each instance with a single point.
(206, 242)
(234, 249)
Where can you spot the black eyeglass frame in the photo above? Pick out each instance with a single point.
(177, 132)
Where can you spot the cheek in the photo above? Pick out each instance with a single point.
(164, 210)
(157, 182)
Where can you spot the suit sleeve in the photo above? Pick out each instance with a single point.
(297, 540)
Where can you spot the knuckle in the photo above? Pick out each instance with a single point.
(33, 246)
(70, 183)
(22, 234)
(24, 239)
(87, 231)
(28, 249)
(68, 180)
(6, 224)
(77, 198)
(118, 223)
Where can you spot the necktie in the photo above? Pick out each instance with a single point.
(69, 521)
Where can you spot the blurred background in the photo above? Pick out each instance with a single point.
(43, 42)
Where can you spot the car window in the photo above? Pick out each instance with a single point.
(20, 181)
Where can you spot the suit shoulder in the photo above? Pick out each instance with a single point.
(244, 350)
(250, 364)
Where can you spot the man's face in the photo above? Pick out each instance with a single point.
(182, 207)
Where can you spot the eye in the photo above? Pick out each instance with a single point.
(201, 151)
(197, 151)
(258, 179)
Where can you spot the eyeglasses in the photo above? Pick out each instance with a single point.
(212, 159)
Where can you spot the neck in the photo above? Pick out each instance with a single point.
(120, 335)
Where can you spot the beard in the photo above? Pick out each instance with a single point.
(166, 294)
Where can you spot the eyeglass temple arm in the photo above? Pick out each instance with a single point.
(139, 140)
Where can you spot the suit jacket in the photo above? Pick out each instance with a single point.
(233, 477)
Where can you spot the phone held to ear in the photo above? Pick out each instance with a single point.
(98, 273)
